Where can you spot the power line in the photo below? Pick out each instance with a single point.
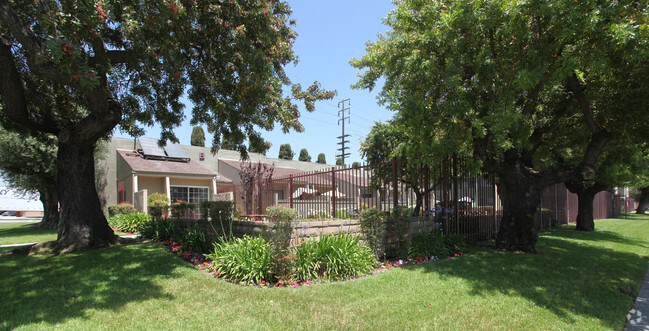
(343, 116)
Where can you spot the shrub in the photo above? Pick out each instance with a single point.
(181, 209)
(401, 217)
(161, 229)
(131, 223)
(121, 209)
(195, 239)
(244, 259)
(158, 204)
(333, 257)
(219, 213)
(454, 243)
(279, 234)
(373, 228)
(428, 245)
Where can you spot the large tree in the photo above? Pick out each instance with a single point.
(78, 69)
(503, 81)
(29, 163)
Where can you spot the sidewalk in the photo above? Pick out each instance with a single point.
(638, 317)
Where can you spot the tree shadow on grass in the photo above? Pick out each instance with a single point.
(52, 289)
(570, 277)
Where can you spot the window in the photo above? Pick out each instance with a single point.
(195, 195)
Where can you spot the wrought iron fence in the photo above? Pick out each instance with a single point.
(451, 196)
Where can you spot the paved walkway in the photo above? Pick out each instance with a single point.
(638, 317)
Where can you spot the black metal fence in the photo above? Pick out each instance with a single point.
(452, 196)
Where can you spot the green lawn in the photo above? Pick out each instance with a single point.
(22, 232)
(579, 282)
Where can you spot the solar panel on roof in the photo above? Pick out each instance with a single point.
(175, 151)
(150, 147)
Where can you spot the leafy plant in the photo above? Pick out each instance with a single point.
(401, 217)
(428, 245)
(131, 223)
(454, 243)
(180, 209)
(121, 209)
(333, 257)
(161, 229)
(373, 229)
(158, 204)
(220, 216)
(244, 259)
(195, 239)
(279, 234)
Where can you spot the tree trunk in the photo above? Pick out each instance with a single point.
(585, 194)
(82, 223)
(50, 199)
(520, 201)
(642, 202)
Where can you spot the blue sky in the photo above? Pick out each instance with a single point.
(330, 34)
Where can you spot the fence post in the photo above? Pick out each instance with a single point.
(333, 192)
(455, 196)
(259, 212)
(290, 191)
(395, 190)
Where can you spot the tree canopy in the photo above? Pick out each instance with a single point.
(198, 137)
(304, 155)
(322, 158)
(285, 152)
(513, 83)
(78, 69)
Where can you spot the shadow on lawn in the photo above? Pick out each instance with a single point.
(569, 277)
(53, 289)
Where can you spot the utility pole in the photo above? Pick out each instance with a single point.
(344, 114)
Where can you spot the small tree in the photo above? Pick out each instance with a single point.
(255, 177)
(198, 136)
(339, 162)
(321, 159)
(356, 164)
(285, 152)
(304, 155)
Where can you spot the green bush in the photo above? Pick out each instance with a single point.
(454, 243)
(428, 245)
(401, 217)
(181, 209)
(161, 229)
(121, 209)
(131, 223)
(243, 259)
(158, 204)
(195, 239)
(333, 257)
(219, 214)
(436, 243)
(279, 234)
(373, 228)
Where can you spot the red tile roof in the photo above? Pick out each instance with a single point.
(138, 163)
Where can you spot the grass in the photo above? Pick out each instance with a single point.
(581, 281)
(22, 232)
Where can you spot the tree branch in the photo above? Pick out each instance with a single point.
(13, 95)
(31, 44)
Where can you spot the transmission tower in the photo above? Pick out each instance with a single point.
(344, 114)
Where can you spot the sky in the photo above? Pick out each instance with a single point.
(330, 33)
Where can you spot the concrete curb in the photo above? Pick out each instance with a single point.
(638, 317)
